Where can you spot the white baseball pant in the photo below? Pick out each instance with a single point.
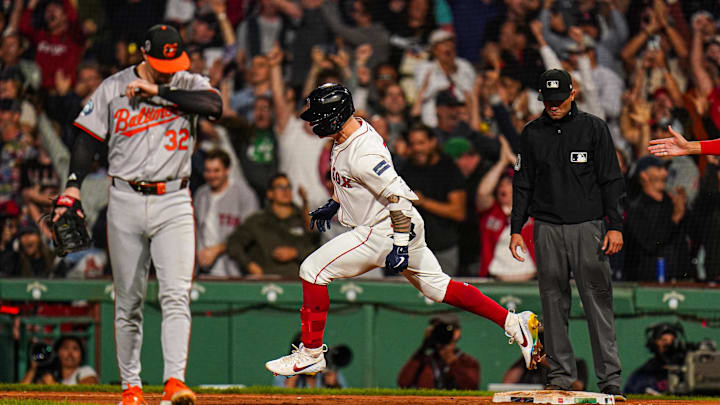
(365, 248)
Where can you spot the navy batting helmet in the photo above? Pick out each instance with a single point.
(329, 107)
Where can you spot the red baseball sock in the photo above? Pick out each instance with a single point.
(469, 298)
(313, 313)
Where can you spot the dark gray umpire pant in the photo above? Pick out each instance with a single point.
(560, 249)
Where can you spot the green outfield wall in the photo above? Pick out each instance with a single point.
(237, 326)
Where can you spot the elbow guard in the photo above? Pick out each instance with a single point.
(404, 205)
(399, 188)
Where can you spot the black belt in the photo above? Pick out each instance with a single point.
(153, 187)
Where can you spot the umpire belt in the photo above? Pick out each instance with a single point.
(151, 187)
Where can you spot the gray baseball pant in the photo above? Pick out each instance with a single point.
(576, 248)
(141, 228)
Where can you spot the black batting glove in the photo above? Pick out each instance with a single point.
(397, 260)
(323, 215)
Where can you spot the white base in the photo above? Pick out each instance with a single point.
(553, 397)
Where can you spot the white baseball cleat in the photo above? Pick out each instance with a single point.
(302, 360)
(522, 329)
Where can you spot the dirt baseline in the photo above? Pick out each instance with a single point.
(227, 399)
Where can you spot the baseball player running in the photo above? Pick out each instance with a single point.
(146, 114)
(372, 199)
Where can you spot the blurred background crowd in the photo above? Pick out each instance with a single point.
(449, 84)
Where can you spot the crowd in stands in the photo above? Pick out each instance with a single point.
(449, 84)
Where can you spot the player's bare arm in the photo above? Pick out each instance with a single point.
(397, 260)
(401, 222)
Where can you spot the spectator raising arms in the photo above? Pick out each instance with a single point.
(494, 204)
(60, 45)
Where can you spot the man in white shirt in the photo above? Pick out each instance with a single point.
(299, 149)
(445, 71)
(220, 206)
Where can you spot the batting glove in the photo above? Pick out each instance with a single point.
(323, 215)
(397, 260)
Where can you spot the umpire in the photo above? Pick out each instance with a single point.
(568, 179)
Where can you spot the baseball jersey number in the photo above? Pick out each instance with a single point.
(174, 143)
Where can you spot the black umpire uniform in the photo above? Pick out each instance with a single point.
(568, 179)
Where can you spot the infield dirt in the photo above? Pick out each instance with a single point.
(271, 399)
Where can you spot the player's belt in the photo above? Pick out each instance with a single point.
(152, 187)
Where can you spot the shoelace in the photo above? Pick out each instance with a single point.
(512, 339)
(302, 352)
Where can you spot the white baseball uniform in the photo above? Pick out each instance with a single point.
(148, 140)
(361, 169)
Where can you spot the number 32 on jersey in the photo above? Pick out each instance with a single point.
(177, 140)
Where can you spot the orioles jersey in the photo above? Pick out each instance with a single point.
(361, 169)
(148, 139)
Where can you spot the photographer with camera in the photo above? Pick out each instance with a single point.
(666, 341)
(438, 363)
(61, 363)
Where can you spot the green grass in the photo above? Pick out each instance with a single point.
(260, 390)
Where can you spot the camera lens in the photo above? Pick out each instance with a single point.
(442, 334)
(42, 353)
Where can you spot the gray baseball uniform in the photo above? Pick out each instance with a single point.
(218, 214)
(148, 140)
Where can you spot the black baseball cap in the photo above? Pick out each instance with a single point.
(165, 50)
(555, 85)
(447, 98)
(649, 161)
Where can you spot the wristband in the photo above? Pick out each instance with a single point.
(163, 90)
(401, 238)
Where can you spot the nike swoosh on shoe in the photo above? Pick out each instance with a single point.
(297, 370)
(525, 341)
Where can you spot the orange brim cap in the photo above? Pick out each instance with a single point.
(170, 65)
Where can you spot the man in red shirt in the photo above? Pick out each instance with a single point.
(60, 44)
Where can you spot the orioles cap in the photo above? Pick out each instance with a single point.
(164, 49)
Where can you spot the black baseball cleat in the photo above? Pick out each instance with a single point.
(614, 390)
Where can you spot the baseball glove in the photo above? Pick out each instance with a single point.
(69, 231)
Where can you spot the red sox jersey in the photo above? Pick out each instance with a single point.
(362, 170)
(148, 139)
